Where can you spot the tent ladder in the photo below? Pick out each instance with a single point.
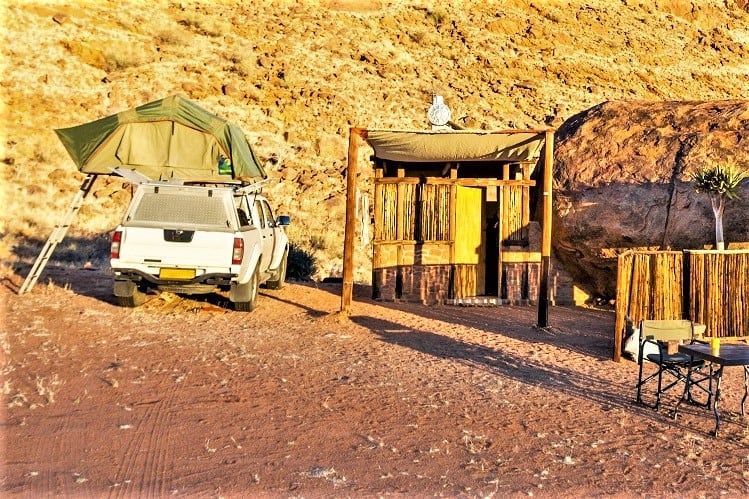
(58, 234)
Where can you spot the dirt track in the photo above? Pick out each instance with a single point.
(182, 397)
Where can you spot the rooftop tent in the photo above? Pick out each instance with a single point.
(163, 139)
(455, 145)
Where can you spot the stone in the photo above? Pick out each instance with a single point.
(622, 181)
(331, 147)
(289, 173)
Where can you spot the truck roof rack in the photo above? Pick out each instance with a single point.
(254, 187)
(136, 177)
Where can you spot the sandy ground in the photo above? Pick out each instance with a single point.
(184, 397)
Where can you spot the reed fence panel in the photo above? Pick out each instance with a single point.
(707, 287)
(720, 300)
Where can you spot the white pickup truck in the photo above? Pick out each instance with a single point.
(195, 240)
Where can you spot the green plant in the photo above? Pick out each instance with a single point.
(300, 264)
(720, 183)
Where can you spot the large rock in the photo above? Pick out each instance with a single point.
(622, 180)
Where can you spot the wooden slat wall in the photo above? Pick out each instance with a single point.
(397, 206)
(650, 285)
(409, 212)
(722, 300)
(435, 212)
(464, 281)
(515, 214)
(387, 229)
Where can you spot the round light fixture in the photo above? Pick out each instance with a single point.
(439, 113)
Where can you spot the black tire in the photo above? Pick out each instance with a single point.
(251, 290)
(132, 301)
(280, 277)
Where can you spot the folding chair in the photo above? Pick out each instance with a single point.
(657, 339)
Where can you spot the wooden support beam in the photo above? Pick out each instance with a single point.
(356, 135)
(447, 168)
(465, 182)
(400, 207)
(379, 204)
(543, 289)
(453, 219)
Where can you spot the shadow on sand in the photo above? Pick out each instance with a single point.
(502, 362)
(582, 384)
(585, 331)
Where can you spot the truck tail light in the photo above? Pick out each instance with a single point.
(114, 250)
(238, 253)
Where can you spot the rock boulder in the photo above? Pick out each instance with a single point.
(622, 181)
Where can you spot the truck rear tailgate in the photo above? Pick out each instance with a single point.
(165, 248)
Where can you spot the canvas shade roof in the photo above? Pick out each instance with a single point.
(164, 139)
(455, 145)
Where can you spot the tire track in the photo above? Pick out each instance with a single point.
(60, 478)
(148, 456)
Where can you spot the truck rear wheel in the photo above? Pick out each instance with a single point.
(128, 294)
(244, 296)
(280, 276)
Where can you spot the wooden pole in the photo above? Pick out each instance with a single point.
(686, 298)
(347, 291)
(543, 291)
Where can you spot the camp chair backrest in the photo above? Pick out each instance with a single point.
(667, 330)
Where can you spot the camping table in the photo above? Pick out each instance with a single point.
(728, 355)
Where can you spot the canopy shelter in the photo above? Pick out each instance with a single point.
(164, 139)
(167, 139)
(453, 215)
(455, 145)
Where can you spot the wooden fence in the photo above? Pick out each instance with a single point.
(406, 210)
(707, 287)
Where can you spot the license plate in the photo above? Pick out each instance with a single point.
(181, 274)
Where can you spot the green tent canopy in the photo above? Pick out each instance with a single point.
(165, 139)
(414, 146)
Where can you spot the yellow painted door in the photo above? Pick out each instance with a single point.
(468, 232)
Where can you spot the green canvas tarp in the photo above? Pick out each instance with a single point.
(411, 146)
(171, 138)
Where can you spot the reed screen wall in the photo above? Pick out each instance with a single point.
(413, 211)
(707, 287)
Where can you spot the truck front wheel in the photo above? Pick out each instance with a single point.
(244, 296)
(280, 275)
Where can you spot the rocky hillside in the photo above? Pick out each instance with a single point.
(296, 75)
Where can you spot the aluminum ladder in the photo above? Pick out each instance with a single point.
(58, 234)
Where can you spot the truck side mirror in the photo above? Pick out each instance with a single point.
(283, 220)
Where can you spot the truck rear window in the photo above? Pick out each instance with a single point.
(179, 209)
